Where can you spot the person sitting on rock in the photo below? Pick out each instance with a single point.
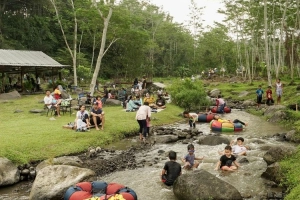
(82, 121)
(50, 102)
(171, 170)
(217, 117)
(97, 117)
(160, 102)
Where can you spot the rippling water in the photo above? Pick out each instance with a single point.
(146, 181)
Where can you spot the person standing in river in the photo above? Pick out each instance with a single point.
(143, 112)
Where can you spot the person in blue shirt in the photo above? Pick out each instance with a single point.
(259, 93)
(189, 159)
(131, 106)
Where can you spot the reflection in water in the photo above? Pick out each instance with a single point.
(146, 181)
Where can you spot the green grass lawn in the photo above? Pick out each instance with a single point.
(29, 137)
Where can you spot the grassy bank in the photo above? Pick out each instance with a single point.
(28, 137)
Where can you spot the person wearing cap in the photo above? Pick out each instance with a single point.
(97, 117)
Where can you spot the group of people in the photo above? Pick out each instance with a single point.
(133, 103)
(269, 98)
(227, 162)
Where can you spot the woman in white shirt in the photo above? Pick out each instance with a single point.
(142, 114)
(278, 90)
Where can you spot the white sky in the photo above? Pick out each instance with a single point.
(179, 9)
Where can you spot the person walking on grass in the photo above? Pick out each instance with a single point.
(279, 90)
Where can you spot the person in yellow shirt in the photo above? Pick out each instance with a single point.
(217, 117)
(150, 100)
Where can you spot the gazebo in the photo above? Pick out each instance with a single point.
(24, 61)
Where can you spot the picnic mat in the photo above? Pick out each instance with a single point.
(158, 110)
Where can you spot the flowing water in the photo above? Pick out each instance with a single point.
(146, 181)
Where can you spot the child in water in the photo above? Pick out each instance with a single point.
(238, 149)
(171, 170)
(227, 160)
(189, 159)
(193, 117)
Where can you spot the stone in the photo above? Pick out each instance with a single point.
(290, 136)
(52, 181)
(182, 135)
(214, 93)
(277, 153)
(18, 111)
(203, 185)
(272, 173)
(248, 103)
(10, 95)
(278, 116)
(272, 109)
(37, 111)
(112, 102)
(12, 173)
(243, 94)
(166, 139)
(64, 160)
(213, 140)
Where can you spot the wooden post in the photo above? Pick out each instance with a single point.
(22, 78)
(3, 88)
(296, 107)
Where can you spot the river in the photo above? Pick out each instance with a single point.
(146, 181)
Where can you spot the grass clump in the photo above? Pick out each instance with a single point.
(29, 137)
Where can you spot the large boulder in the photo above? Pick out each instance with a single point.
(272, 173)
(277, 153)
(270, 111)
(9, 173)
(278, 116)
(113, 102)
(243, 94)
(166, 138)
(52, 181)
(248, 103)
(213, 140)
(203, 185)
(10, 95)
(291, 136)
(214, 93)
(64, 160)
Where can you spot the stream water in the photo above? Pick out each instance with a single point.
(146, 181)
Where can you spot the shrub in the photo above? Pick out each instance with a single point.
(188, 94)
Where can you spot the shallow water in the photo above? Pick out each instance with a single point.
(146, 181)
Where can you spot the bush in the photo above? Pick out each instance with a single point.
(188, 94)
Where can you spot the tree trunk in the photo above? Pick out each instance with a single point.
(266, 43)
(101, 52)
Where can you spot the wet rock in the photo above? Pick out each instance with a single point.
(25, 172)
(277, 153)
(182, 135)
(166, 139)
(213, 140)
(98, 149)
(52, 181)
(186, 141)
(265, 147)
(64, 160)
(11, 175)
(198, 185)
(242, 160)
(272, 173)
(257, 141)
(161, 151)
(160, 132)
(290, 136)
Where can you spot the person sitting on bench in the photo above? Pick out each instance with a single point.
(97, 116)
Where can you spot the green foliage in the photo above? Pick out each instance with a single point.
(188, 94)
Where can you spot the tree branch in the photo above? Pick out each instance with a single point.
(113, 41)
